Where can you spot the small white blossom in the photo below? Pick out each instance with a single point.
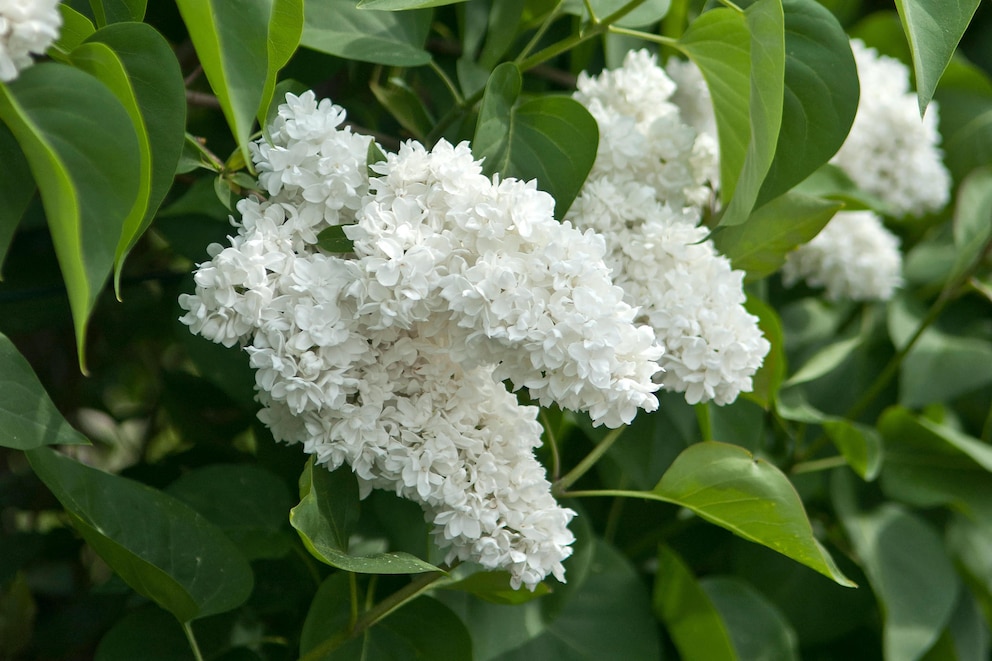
(392, 359)
(890, 152)
(644, 196)
(26, 27)
(854, 257)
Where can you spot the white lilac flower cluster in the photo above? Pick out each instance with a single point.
(26, 27)
(854, 257)
(890, 152)
(391, 359)
(644, 195)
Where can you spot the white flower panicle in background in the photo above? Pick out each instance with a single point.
(695, 103)
(657, 250)
(642, 133)
(854, 257)
(890, 152)
(391, 359)
(26, 27)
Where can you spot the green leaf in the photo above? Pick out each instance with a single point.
(757, 628)
(768, 379)
(402, 5)
(965, 97)
(241, 46)
(325, 519)
(425, 629)
(494, 587)
(832, 183)
(129, 638)
(28, 418)
(933, 28)
(742, 58)
(909, 571)
(759, 246)
(334, 240)
(550, 138)
(821, 95)
(75, 28)
(922, 469)
(163, 549)
(158, 111)
(248, 503)
(102, 63)
(689, 615)
(115, 11)
(726, 485)
(84, 155)
(647, 13)
(972, 220)
(338, 28)
(404, 105)
(940, 366)
(606, 617)
(16, 190)
(860, 445)
(824, 361)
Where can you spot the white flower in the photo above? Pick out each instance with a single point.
(642, 136)
(890, 152)
(26, 27)
(695, 103)
(854, 257)
(644, 196)
(392, 359)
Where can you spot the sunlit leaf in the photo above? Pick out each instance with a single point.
(83, 152)
(325, 518)
(163, 549)
(115, 11)
(933, 28)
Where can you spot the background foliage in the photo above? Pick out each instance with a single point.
(862, 457)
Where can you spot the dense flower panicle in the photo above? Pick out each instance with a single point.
(644, 196)
(687, 291)
(890, 152)
(643, 137)
(26, 27)
(695, 103)
(854, 257)
(391, 359)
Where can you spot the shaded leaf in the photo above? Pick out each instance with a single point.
(757, 629)
(909, 571)
(647, 13)
(157, 86)
(933, 28)
(768, 379)
(400, 5)
(824, 361)
(759, 246)
(338, 28)
(550, 138)
(115, 11)
(965, 97)
(241, 46)
(494, 587)
(689, 615)
(28, 418)
(130, 638)
(248, 503)
(972, 220)
(334, 240)
(742, 58)
(405, 106)
(83, 152)
(16, 190)
(163, 549)
(860, 445)
(326, 516)
(821, 95)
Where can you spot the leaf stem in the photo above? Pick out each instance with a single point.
(539, 34)
(704, 421)
(452, 88)
(384, 608)
(588, 462)
(188, 630)
(646, 36)
(817, 465)
(353, 594)
(553, 444)
(733, 6)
